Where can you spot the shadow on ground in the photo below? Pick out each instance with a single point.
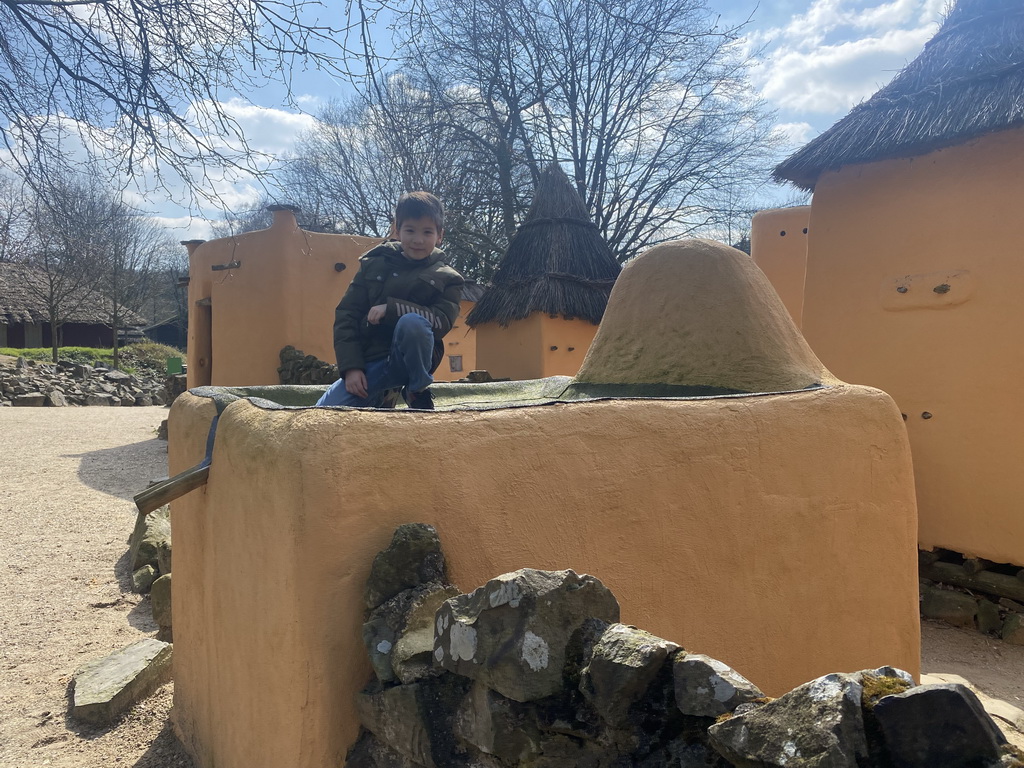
(125, 470)
(165, 751)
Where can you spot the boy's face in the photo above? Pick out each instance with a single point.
(419, 237)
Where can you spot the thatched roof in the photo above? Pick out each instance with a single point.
(968, 81)
(557, 262)
(21, 287)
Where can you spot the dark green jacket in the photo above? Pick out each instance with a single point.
(386, 276)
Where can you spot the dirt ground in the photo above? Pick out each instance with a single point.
(67, 476)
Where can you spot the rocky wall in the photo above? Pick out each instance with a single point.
(534, 669)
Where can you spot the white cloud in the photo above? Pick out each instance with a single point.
(832, 78)
(186, 227)
(839, 52)
(794, 135)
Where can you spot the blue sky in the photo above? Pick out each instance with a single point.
(819, 58)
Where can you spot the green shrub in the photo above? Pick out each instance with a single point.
(145, 355)
(86, 355)
(148, 355)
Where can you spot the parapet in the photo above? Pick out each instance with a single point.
(704, 465)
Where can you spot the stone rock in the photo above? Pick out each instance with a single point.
(30, 400)
(99, 398)
(989, 618)
(118, 377)
(414, 557)
(497, 726)
(152, 532)
(818, 724)
(55, 398)
(368, 752)
(412, 658)
(1013, 629)
(82, 371)
(143, 400)
(143, 578)
(160, 601)
(104, 689)
(163, 556)
(161, 432)
(937, 725)
(706, 687)
(385, 625)
(953, 607)
(624, 662)
(512, 633)
(416, 720)
(682, 753)
(1010, 605)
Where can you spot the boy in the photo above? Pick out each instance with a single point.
(389, 325)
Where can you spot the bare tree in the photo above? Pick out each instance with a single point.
(15, 212)
(645, 101)
(67, 248)
(147, 82)
(362, 154)
(135, 248)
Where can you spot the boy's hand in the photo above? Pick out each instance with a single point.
(376, 314)
(355, 382)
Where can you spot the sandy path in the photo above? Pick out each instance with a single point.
(67, 476)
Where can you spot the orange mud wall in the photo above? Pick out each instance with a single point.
(778, 245)
(776, 532)
(914, 285)
(535, 347)
(272, 288)
(459, 343)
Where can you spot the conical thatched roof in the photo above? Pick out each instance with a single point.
(968, 81)
(557, 262)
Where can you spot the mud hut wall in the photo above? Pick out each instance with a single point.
(776, 533)
(284, 292)
(778, 245)
(191, 602)
(535, 347)
(913, 286)
(460, 342)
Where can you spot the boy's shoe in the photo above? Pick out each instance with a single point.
(419, 401)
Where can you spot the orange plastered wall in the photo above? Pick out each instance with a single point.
(523, 350)
(778, 245)
(913, 286)
(283, 291)
(773, 532)
(460, 341)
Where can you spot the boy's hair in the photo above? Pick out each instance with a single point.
(418, 205)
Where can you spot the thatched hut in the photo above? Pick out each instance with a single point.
(25, 320)
(914, 268)
(549, 291)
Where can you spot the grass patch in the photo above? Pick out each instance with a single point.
(147, 356)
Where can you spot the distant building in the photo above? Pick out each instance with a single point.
(914, 263)
(25, 321)
(549, 291)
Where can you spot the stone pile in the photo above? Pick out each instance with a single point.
(534, 669)
(149, 554)
(32, 383)
(299, 368)
(974, 594)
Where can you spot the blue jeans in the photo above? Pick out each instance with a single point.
(407, 365)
